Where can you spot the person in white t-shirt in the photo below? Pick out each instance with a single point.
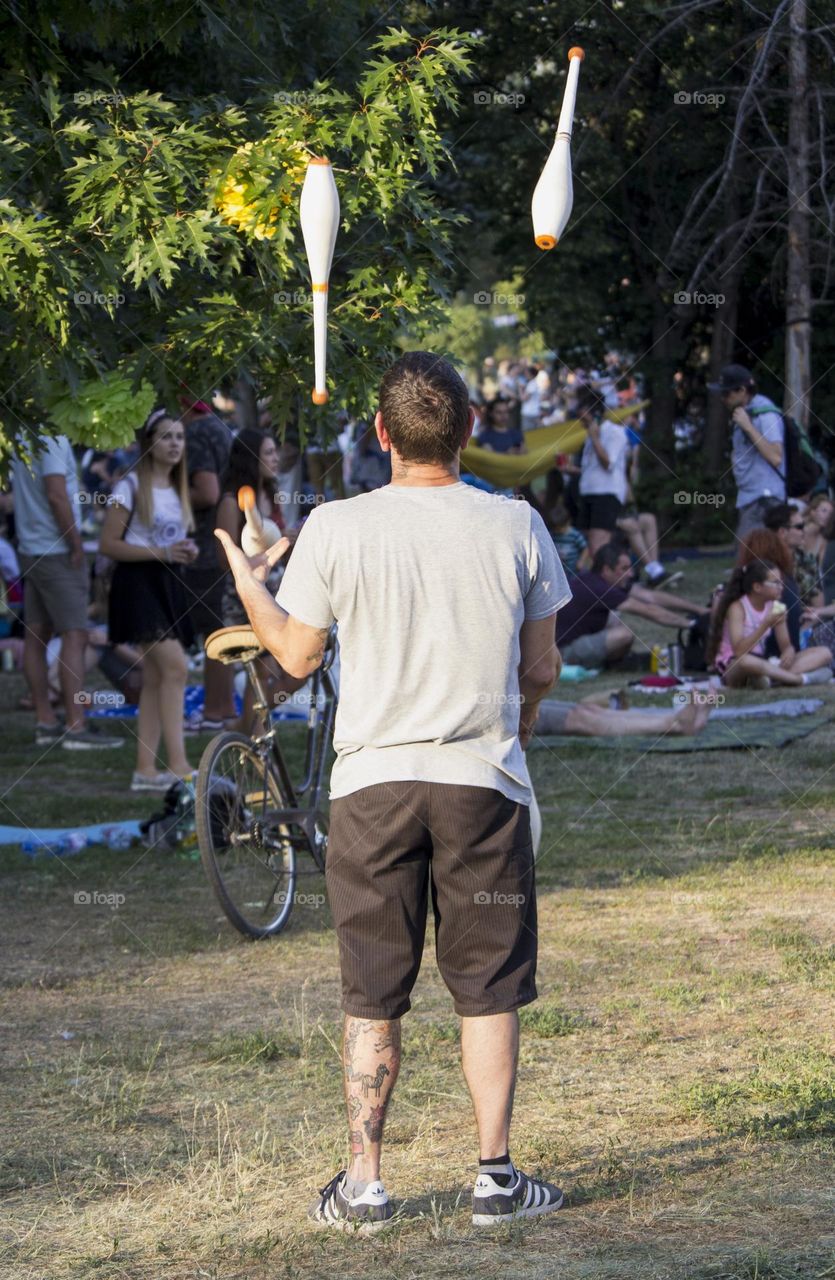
(446, 600)
(603, 480)
(146, 531)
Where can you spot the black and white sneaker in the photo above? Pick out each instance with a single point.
(365, 1214)
(524, 1198)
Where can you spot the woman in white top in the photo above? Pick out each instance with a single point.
(145, 531)
(603, 482)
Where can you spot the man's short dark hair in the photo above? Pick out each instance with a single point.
(607, 556)
(425, 406)
(779, 516)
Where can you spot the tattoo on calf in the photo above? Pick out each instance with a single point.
(390, 1039)
(357, 1144)
(368, 1082)
(354, 1107)
(373, 1126)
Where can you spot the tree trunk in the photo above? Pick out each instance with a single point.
(659, 464)
(722, 350)
(798, 289)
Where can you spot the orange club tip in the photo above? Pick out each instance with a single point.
(545, 242)
(246, 497)
(319, 397)
(576, 52)
(318, 160)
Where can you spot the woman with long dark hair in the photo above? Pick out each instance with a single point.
(253, 462)
(748, 611)
(145, 531)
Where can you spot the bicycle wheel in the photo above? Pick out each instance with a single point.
(247, 853)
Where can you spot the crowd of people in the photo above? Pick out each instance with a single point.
(753, 633)
(111, 558)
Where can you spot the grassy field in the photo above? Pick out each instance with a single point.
(172, 1093)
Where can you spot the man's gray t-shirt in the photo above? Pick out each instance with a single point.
(37, 532)
(430, 586)
(753, 475)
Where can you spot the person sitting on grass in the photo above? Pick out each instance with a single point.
(572, 548)
(592, 632)
(750, 609)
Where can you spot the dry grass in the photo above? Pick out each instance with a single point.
(676, 1073)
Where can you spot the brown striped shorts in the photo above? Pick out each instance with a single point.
(393, 844)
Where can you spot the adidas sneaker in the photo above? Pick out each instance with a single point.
(523, 1197)
(365, 1213)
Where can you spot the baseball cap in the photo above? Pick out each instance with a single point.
(732, 377)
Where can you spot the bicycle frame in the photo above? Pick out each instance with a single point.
(303, 810)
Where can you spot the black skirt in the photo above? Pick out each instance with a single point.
(148, 602)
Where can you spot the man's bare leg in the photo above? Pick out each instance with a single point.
(371, 1061)
(585, 719)
(489, 1057)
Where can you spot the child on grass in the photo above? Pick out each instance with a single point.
(749, 609)
(571, 545)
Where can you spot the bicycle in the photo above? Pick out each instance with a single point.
(251, 819)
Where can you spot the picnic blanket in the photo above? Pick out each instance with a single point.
(728, 728)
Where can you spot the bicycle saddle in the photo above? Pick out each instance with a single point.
(233, 644)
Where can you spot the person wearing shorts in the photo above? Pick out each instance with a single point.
(445, 599)
(55, 590)
(603, 482)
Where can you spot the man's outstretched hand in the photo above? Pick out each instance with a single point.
(246, 570)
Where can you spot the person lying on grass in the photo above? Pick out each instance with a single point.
(749, 610)
(588, 719)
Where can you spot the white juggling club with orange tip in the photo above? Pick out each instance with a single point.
(319, 210)
(259, 534)
(554, 194)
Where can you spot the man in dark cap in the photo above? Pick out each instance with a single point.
(758, 454)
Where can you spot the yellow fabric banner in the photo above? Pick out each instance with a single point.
(507, 470)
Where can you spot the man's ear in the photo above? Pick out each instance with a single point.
(470, 425)
(382, 435)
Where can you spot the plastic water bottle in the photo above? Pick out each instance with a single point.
(805, 637)
(116, 838)
(73, 842)
(36, 847)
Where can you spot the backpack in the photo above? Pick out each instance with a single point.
(693, 638)
(801, 469)
(693, 641)
(174, 826)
